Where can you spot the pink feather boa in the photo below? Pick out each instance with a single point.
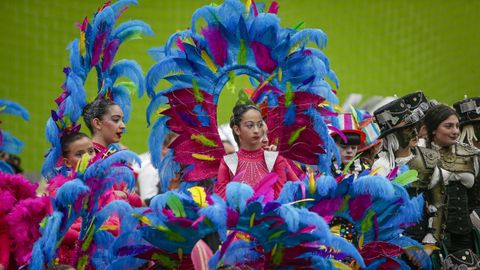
(24, 224)
(14, 188)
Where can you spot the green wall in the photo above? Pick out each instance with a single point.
(375, 47)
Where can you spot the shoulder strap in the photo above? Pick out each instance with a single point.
(232, 162)
(270, 158)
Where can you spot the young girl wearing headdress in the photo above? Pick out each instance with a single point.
(251, 163)
(104, 119)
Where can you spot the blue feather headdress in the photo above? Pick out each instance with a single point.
(238, 39)
(8, 143)
(378, 209)
(96, 48)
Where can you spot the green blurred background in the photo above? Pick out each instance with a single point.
(375, 47)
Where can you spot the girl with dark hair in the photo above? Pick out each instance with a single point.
(251, 163)
(459, 164)
(348, 142)
(104, 119)
(74, 146)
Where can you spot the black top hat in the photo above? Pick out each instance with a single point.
(417, 103)
(468, 110)
(394, 116)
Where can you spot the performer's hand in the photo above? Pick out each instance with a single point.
(270, 147)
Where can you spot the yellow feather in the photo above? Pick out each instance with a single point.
(83, 164)
(338, 108)
(180, 253)
(82, 43)
(202, 157)
(108, 227)
(267, 81)
(360, 241)
(199, 195)
(252, 218)
(355, 116)
(274, 249)
(312, 185)
(335, 230)
(248, 4)
(375, 171)
(341, 266)
(208, 61)
(143, 219)
(426, 246)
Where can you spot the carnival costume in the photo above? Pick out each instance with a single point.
(348, 124)
(372, 133)
(96, 48)
(236, 42)
(459, 164)
(469, 111)
(83, 200)
(20, 210)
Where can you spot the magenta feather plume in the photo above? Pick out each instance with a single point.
(15, 187)
(217, 44)
(393, 173)
(97, 48)
(24, 224)
(339, 132)
(273, 8)
(8, 201)
(109, 53)
(359, 205)
(374, 250)
(265, 188)
(327, 207)
(263, 57)
(255, 10)
(179, 43)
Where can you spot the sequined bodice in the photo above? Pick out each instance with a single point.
(252, 163)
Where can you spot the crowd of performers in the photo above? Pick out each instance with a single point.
(309, 187)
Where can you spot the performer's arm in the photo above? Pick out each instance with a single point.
(223, 179)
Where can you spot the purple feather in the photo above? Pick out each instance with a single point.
(109, 53)
(232, 217)
(262, 57)
(359, 205)
(327, 207)
(97, 48)
(216, 43)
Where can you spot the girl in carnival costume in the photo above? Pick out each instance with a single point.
(348, 137)
(459, 170)
(104, 119)
(251, 163)
(87, 190)
(239, 40)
